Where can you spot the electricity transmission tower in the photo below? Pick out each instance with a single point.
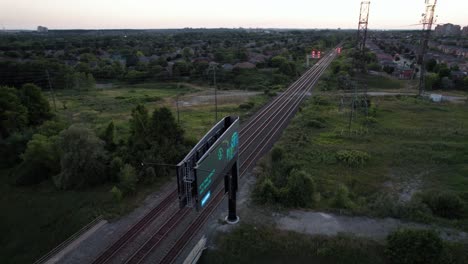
(359, 98)
(427, 21)
(362, 27)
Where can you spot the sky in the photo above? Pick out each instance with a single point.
(153, 14)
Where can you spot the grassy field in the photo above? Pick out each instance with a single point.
(377, 82)
(98, 107)
(38, 218)
(413, 148)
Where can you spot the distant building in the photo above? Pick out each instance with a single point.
(465, 31)
(447, 30)
(42, 29)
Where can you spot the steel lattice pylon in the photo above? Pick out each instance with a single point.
(427, 21)
(362, 26)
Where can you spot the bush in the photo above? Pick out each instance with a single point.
(414, 247)
(447, 205)
(116, 194)
(370, 120)
(128, 179)
(266, 192)
(115, 167)
(341, 199)
(352, 158)
(320, 100)
(247, 105)
(40, 160)
(300, 189)
(83, 158)
(277, 154)
(315, 124)
(150, 174)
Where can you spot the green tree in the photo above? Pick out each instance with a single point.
(13, 115)
(409, 246)
(128, 179)
(134, 76)
(40, 160)
(138, 142)
(187, 53)
(432, 81)
(341, 199)
(431, 64)
(266, 192)
(115, 167)
(37, 105)
(300, 189)
(116, 194)
(108, 136)
(278, 61)
(83, 158)
(465, 83)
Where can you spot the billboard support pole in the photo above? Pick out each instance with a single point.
(232, 217)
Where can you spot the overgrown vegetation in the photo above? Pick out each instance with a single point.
(263, 244)
(410, 162)
(259, 244)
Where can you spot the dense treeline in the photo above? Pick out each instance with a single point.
(39, 146)
(73, 60)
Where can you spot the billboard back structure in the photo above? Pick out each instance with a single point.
(199, 174)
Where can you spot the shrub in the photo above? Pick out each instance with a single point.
(277, 154)
(320, 100)
(115, 167)
(315, 124)
(116, 194)
(448, 205)
(128, 179)
(341, 199)
(352, 158)
(83, 158)
(40, 160)
(300, 189)
(370, 120)
(247, 105)
(150, 174)
(266, 191)
(408, 246)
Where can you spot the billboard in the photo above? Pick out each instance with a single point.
(201, 171)
(216, 163)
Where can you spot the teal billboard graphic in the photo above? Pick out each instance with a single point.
(217, 162)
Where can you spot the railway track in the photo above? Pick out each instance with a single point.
(255, 136)
(276, 124)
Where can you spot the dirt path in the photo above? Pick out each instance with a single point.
(310, 222)
(314, 223)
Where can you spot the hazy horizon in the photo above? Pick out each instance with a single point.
(292, 14)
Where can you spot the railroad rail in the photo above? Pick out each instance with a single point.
(259, 132)
(277, 122)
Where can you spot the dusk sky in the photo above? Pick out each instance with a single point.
(146, 14)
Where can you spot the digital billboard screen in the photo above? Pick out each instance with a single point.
(216, 163)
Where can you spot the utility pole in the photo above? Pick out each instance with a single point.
(177, 104)
(213, 67)
(51, 90)
(178, 113)
(427, 21)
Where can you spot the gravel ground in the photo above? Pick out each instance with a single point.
(313, 223)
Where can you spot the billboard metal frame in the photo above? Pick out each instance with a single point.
(189, 168)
